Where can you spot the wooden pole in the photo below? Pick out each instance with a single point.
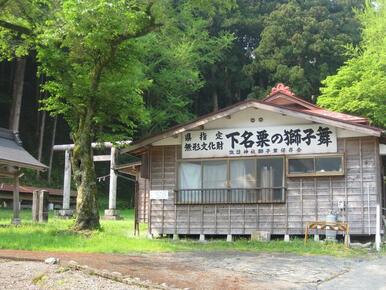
(67, 181)
(378, 229)
(112, 213)
(35, 206)
(113, 181)
(16, 200)
(66, 212)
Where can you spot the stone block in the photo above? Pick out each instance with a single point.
(112, 214)
(65, 213)
(263, 236)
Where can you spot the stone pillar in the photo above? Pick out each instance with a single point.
(43, 206)
(35, 206)
(112, 213)
(16, 201)
(66, 212)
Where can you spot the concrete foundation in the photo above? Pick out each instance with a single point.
(229, 238)
(65, 213)
(261, 236)
(286, 238)
(16, 221)
(112, 214)
(202, 238)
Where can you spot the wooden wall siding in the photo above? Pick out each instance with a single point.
(308, 198)
(143, 198)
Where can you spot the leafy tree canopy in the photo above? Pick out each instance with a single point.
(359, 87)
(302, 42)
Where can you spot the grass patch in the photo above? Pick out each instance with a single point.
(117, 237)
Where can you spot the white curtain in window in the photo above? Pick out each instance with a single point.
(190, 175)
(189, 178)
(243, 174)
(214, 174)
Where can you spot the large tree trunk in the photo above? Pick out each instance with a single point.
(84, 175)
(17, 94)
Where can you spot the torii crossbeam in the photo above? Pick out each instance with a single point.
(111, 212)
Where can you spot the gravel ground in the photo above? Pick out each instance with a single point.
(36, 275)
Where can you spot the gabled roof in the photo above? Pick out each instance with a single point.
(13, 154)
(282, 96)
(281, 100)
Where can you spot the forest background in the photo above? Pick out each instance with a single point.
(245, 48)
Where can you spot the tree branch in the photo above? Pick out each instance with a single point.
(150, 27)
(15, 27)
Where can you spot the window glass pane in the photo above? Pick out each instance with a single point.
(269, 175)
(326, 164)
(214, 174)
(270, 172)
(301, 165)
(189, 176)
(243, 173)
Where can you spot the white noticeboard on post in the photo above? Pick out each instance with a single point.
(276, 140)
(159, 194)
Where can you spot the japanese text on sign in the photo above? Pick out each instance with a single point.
(296, 139)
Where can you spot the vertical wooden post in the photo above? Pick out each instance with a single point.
(16, 200)
(362, 191)
(113, 181)
(345, 181)
(112, 213)
(150, 235)
(43, 206)
(35, 206)
(378, 229)
(66, 211)
(67, 180)
(302, 203)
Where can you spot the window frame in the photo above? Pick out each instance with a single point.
(228, 182)
(315, 173)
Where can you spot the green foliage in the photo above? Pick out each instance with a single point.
(359, 87)
(301, 43)
(93, 60)
(185, 45)
(20, 21)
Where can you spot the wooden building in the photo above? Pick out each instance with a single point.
(260, 165)
(13, 157)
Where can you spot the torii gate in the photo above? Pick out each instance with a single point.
(111, 212)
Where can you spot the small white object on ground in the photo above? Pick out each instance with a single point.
(51, 261)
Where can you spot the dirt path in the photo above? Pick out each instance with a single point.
(211, 270)
(37, 275)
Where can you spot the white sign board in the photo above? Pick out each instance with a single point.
(278, 140)
(159, 194)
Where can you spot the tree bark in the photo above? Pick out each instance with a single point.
(52, 149)
(84, 175)
(41, 139)
(214, 89)
(17, 94)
